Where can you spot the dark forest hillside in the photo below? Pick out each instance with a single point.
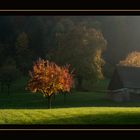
(23, 39)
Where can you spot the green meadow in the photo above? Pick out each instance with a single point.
(23, 107)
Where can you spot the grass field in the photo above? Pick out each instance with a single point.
(23, 107)
(80, 115)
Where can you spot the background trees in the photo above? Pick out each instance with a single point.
(132, 60)
(82, 47)
(49, 79)
(23, 53)
(8, 74)
(86, 42)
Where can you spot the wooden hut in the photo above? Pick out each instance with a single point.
(125, 84)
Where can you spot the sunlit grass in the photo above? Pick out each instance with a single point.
(81, 115)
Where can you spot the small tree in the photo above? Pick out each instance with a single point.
(8, 74)
(48, 78)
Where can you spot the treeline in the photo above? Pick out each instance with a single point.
(92, 45)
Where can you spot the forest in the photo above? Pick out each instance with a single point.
(92, 45)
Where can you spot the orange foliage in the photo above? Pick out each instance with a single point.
(132, 60)
(49, 78)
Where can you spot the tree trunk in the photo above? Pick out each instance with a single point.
(8, 87)
(2, 87)
(49, 102)
(80, 80)
(54, 96)
(64, 97)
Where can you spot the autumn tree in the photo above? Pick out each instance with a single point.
(132, 60)
(48, 79)
(82, 47)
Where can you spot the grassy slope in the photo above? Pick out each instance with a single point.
(22, 107)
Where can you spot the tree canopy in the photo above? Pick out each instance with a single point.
(81, 47)
(48, 79)
(132, 60)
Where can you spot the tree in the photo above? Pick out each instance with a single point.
(132, 60)
(23, 54)
(81, 47)
(37, 29)
(48, 79)
(8, 74)
(22, 42)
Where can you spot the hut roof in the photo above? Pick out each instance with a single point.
(125, 77)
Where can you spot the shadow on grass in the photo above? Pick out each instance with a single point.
(96, 119)
(36, 101)
(42, 104)
(101, 119)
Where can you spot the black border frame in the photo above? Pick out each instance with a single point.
(68, 7)
(69, 4)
